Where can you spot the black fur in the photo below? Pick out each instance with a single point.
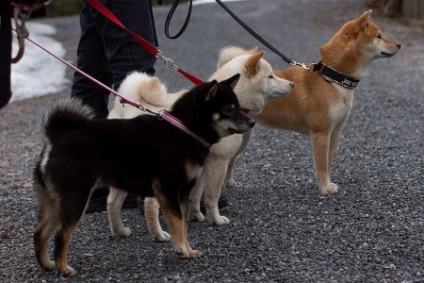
(129, 154)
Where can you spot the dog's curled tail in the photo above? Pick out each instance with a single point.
(67, 114)
(230, 52)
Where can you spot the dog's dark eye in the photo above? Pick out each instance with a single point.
(379, 36)
(271, 76)
(228, 109)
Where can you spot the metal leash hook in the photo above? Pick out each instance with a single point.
(303, 65)
(21, 15)
(167, 61)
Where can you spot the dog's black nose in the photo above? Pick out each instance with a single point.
(251, 123)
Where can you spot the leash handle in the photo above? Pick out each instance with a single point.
(171, 14)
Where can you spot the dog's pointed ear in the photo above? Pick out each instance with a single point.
(355, 27)
(232, 82)
(212, 90)
(253, 63)
(254, 50)
(365, 17)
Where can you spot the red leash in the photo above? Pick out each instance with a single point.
(141, 41)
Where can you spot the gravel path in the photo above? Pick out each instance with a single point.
(282, 229)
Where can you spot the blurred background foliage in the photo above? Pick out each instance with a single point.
(58, 8)
(390, 8)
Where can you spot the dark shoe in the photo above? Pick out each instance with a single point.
(98, 201)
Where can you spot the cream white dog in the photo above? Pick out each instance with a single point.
(256, 86)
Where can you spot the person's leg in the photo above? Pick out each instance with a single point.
(123, 53)
(91, 59)
(123, 56)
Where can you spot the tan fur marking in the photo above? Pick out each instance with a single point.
(252, 64)
(62, 260)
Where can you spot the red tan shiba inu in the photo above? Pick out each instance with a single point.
(322, 97)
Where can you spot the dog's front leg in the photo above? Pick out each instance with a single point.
(115, 201)
(184, 204)
(214, 173)
(334, 143)
(178, 226)
(321, 152)
(229, 178)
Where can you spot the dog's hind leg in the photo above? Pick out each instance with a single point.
(72, 206)
(62, 240)
(151, 214)
(47, 224)
(115, 201)
(47, 202)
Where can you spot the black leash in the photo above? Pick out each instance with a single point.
(255, 35)
(237, 19)
(330, 74)
(171, 14)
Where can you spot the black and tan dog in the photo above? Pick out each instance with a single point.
(145, 155)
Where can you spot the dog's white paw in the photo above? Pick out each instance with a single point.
(330, 189)
(196, 216)
(219, 220)
(68, 271)
(183, 252)
(161, 236)
(48, 265)
(123, 232)
(195, 254)
(230, 183)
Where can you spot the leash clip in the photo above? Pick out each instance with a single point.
(167, 61)
(303, 65)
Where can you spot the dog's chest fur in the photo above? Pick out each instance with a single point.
(227, 147)
(340, 108)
